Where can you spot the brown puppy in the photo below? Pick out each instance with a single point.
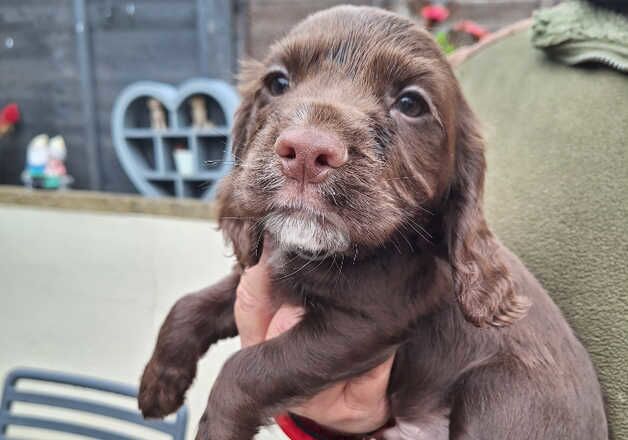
(359, 157)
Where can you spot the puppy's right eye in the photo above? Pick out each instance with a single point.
(277, 83)
(411, 104)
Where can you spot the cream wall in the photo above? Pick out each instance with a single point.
(85, 292)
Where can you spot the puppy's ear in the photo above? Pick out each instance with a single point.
(240, 231)
(245, 116)
(482, 280)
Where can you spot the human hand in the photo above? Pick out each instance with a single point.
(358, 405)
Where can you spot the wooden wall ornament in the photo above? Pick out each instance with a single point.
(148, 155)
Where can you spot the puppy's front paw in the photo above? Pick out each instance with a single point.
(163, 388)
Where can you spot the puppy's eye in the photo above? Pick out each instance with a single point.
(411, 104)
(277, 83)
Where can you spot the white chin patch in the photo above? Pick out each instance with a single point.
(308, 233)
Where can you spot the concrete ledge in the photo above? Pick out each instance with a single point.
(105, 202)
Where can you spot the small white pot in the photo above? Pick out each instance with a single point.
(184, 161)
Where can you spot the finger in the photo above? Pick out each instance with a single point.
(317, 408)
(351, 394)
(369, 390)
(331, 409)
(285, 318)
(253, 307)
(358, 405)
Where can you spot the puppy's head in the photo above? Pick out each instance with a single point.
(353, 132)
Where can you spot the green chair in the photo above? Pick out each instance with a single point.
(557, 189)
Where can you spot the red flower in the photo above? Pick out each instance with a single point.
(471, 28)
(10, 114)
(435, 13)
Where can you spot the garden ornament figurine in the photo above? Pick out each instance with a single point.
(55, 168)
(36, 160)
(45, 163)
(157, 115)
(199, 113)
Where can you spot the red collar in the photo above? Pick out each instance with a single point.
(299, 428)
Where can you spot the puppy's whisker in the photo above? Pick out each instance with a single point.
(255, 230)
(408, 227)
(219, 161)
(283, 277)
(424, 209)
(407, 241)
(331, 266)
(212, 163)
(419, 179)
(419, 229)
(342, 262)
(395, 243)
(320, 261)
(204, 185)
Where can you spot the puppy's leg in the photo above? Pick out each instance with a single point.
(263, 380)
(194, 323)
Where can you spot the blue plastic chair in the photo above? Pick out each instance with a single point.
(11, 394)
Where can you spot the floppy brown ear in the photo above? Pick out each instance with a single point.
(482, 279)
(238, 229)
(245, 116)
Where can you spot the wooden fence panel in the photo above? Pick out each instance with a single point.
(38, 70)
(128, 41)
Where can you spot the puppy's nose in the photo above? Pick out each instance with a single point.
(309, 154)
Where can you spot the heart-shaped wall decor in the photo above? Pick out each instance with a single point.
(173, 154)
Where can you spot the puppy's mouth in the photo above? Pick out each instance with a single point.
(307, 232)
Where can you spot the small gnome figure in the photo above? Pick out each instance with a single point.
(199, 113)
(157, 115)
(55, 168)
(36, 160)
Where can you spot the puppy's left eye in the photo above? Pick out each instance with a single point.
(411, 104)
(277, 83)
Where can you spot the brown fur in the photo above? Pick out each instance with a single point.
(424, 276)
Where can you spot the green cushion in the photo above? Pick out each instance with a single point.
(557, 189)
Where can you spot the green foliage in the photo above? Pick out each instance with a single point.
(443, 42)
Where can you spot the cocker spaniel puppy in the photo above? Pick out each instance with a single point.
(358, 156)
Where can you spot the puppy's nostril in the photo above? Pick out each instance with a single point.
(322, 161)
(286, 151)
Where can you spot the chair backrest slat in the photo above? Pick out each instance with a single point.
(10, 395)
(88, 406)
(58, 426)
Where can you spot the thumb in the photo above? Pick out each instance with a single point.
(253, 307)
(370, 388)
(286, 317)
